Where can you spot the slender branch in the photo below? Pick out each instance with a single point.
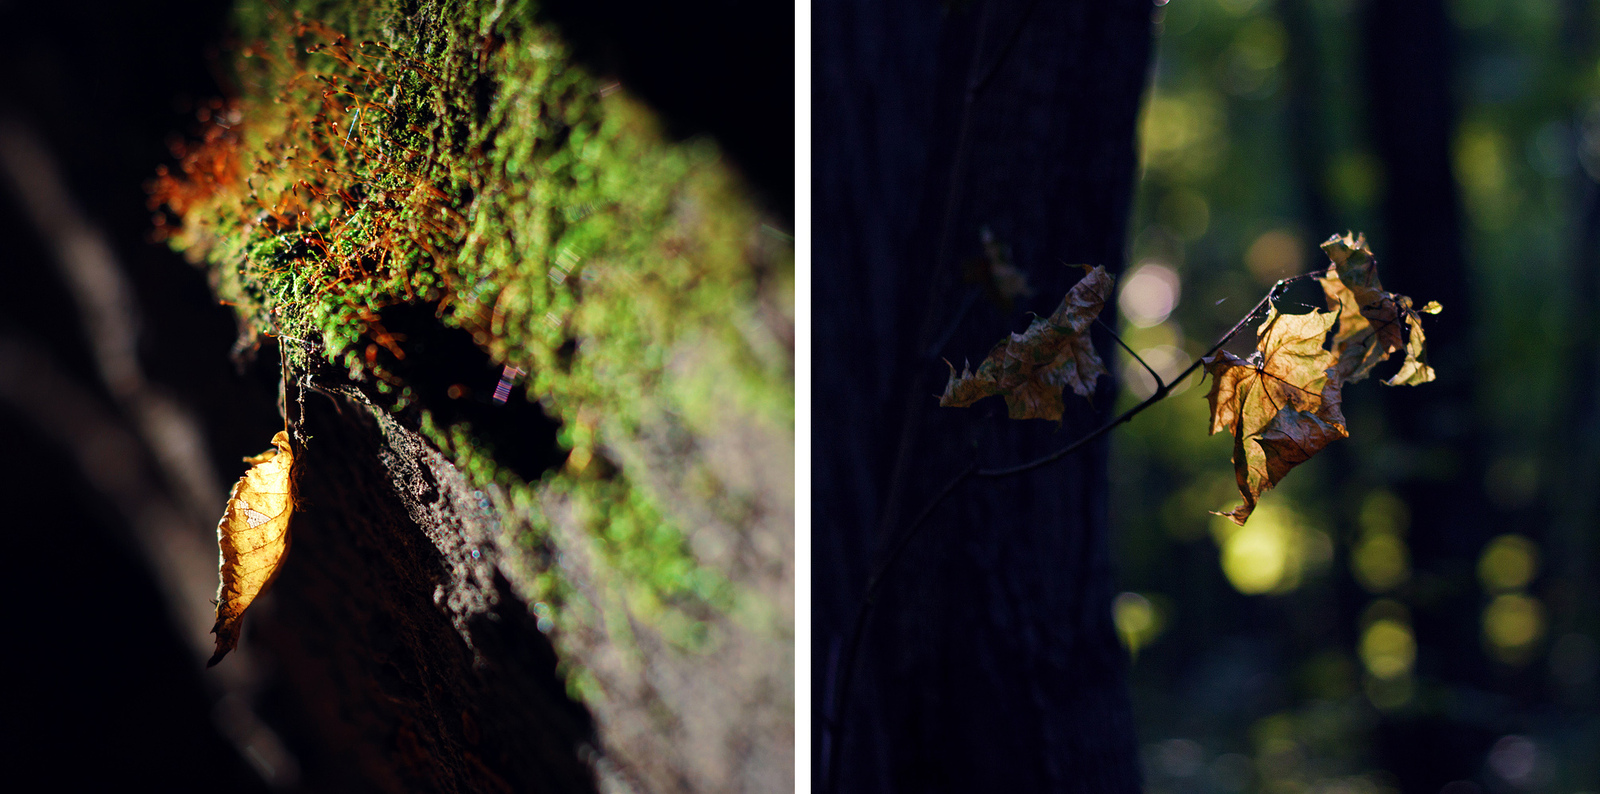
(1118, 338)
(1162, 390)
(834, 721)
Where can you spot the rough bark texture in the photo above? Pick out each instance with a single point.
(991, 663)
(405, 659)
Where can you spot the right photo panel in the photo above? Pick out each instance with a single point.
(1205, 396)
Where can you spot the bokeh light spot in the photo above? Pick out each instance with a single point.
(1512, 623)
(1514, 759)
(1256, 556)
(1275, 255)
(1382, 511)
(1149, 295)
(1137, 619)
(1272, 552)
(1380, 562)
(1388, 649)
(1509, 562)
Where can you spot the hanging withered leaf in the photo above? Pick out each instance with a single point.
(1373, 324)
(1282, 405)
(1032, 367)
(254, 537)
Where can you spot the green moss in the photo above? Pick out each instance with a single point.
(452, 153)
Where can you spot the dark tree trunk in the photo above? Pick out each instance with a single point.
(991, 662)
(1409, 69)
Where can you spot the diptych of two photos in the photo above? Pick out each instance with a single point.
(985, 395)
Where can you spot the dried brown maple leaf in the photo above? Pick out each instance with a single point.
(1373, 324)
(1282, 405)
(1031, 368)
(254, 537)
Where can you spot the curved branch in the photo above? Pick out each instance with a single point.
(833, 720)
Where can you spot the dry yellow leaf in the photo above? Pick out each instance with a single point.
(254, 537)
(1282, 405)
(1373, 324)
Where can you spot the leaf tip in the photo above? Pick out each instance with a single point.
(1233, 515)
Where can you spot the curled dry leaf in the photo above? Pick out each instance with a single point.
(1282, 405)
(253, 536)
(1032, 367)
(1373, 324)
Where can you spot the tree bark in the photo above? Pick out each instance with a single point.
(991, 663)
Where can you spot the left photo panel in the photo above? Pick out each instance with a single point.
(400, 395)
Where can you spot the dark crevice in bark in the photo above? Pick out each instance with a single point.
(458, 382)
(403, 661)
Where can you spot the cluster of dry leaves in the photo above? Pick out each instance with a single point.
(1281, 404)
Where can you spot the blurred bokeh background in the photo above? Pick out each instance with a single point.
(1415, 609)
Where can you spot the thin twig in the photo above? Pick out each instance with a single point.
(1118, 338)
(834, 721)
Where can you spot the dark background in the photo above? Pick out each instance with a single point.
(102, 691)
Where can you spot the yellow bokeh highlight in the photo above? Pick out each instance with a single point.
(1276, 254)
(1256, 557)
(1383, 511)
(1380, 562)
(1509, 562)
(1271, 553)
(1482, 154)
(1179, 132)
(1388, 649)
(1138, 620)
(1261, 44)
(1512, 623)
(1354, 179)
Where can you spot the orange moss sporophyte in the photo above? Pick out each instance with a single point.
(340, 212)
(205, 168)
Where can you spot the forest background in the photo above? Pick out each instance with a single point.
(1417, 608)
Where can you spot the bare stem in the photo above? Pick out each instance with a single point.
(1136, 357)
(833, 720)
